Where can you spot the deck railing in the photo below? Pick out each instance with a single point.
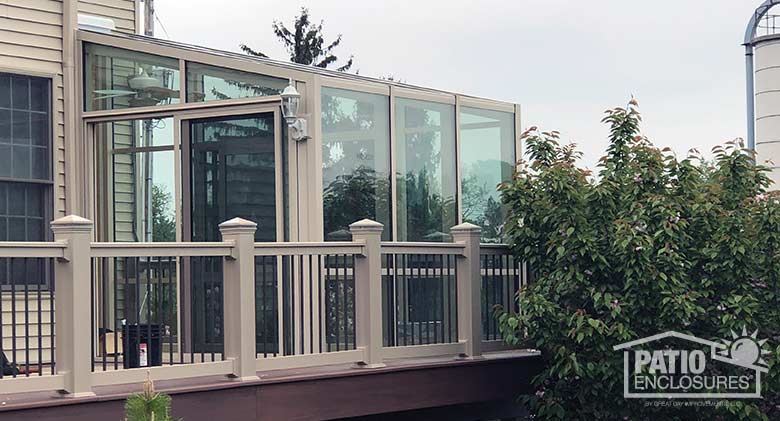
(121, 312)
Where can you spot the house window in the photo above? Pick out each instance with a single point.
(355, 161)
(25, 171)
(209, 83)
(425, 170)
(116, 78)
(487, 156)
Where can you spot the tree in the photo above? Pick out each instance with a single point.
(163, 225)
(305, 43)
(148, 405)
(653, 244)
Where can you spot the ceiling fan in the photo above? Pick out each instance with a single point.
(145, 90)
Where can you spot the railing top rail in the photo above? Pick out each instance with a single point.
(166, 249)
(54, 249)
(300, 248)
(389, 247)
(494, 249)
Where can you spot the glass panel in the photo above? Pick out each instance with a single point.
(5, 90)
(233, 175)
(39, 95)
(425, 170)
(355, 161)
(28, 131)
(24, 211)
(20, 92)
(117, 78)
(140, 182)
(487, 159)
(209, 83)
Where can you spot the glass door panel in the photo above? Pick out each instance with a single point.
(234, 167)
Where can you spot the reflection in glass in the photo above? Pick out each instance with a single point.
(487, 151)
(140, 181)
(209, 83)
(233, 175)
(355, 160)
(116, 78)
(425, 170)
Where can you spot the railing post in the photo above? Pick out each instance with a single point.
(368, 292)
(239, 297)
(469, 289)
(72, 306)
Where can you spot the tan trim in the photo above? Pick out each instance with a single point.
(298, 248)
(425, 96)
(354, 85)
(423, 248)
(171, 372)
(418, 351)
(310, 360)
(518, 133)
(393, 169)
(486, 104)
(458, 169)
(167, 110)
(243, 64)
(32, 249)
(316, 201)
(198, 249)
(36, 383)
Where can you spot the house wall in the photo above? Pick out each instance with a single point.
(31, 43)
(122, 12)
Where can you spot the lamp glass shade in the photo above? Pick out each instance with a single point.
(291, 100)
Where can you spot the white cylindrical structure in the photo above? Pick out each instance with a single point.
(766, 65)
(762, 54)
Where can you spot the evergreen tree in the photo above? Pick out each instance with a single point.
(305, 43)
(148, 405)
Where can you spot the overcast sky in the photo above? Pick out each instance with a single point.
(565, 62)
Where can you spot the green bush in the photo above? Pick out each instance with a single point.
(650, 244)
(148, 405)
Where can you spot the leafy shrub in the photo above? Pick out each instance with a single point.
(651, 244)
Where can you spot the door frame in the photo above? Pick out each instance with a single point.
(182, 140)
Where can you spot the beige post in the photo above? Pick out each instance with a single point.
(72, 309)
(469, 289)
(368, 292)
(239, 297)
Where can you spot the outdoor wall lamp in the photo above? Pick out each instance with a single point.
(291, 101)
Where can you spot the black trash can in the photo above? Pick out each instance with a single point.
(139, 348)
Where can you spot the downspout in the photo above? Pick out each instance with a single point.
(751, 105)
(69, 25)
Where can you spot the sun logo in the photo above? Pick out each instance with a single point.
(745, 350)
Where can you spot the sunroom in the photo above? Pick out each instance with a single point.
(174, 140)
(178, 139)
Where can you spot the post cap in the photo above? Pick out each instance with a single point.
(71, 223)
(366, 225)
(466, 228)
(237, 225)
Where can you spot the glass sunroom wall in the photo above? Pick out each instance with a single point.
(115, 78)
(211, 83)
(425, 170)
(487, 157)
(136, 163)
(355, 160)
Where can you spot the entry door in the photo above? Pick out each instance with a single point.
(233, 168)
